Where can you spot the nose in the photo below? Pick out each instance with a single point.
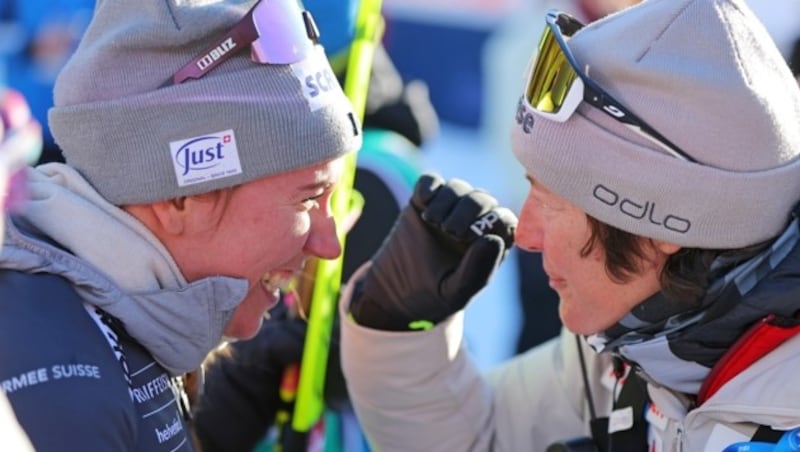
(323, 242)
(529, 235)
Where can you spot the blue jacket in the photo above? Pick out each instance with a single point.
(96, 321)
(79, 380)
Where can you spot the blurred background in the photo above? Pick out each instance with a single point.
(471, 54)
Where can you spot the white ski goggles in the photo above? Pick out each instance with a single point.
(277, 32)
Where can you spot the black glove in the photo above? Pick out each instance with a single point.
(444, 247)
(241, 395)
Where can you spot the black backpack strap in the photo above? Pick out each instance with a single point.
(625, 430)
(627, 418)
(630, 406)
(766, 434)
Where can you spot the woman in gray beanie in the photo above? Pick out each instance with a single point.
(662, 147)
(202, 141)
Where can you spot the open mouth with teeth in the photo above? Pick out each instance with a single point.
(273, 282)
(295, 289)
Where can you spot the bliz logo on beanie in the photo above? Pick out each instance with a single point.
(320, 86)
(215, 54)
(205, 158)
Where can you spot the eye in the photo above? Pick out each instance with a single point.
(312, 202)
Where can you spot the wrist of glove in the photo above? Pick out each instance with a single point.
(442, 250)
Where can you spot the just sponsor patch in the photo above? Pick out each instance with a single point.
(320, 86)
(205, 158)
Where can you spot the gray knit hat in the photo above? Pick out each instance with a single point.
(707, 76)
(136, 142)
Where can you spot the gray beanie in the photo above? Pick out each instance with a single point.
(138, 143)
(707, 76)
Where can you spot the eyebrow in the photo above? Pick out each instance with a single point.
(316, 186)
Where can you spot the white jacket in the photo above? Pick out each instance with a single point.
(419, 391)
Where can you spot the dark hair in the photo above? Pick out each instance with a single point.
(686, 274)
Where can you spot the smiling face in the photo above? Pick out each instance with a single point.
(589, 299)
(270, 228)
(260, 230)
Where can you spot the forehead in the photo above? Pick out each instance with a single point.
(326, 173)
(538, 185)
(553, 199)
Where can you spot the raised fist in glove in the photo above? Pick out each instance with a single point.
(444, 247)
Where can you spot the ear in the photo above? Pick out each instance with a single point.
(666, 247)
(190, 214)
(169, 215)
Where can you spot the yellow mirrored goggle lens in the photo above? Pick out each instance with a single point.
(551, 78)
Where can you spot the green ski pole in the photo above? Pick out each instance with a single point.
(310, 403)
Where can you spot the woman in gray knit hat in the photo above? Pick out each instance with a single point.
(662, 148)
(202, 141)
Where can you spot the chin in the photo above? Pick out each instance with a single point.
(577, 324)
(249, 315)
(583, 326)
(243, 327)
(581, 331)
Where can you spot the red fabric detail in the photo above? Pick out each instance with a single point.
(758, 341)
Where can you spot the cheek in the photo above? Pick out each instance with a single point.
(296, 230)
(591, 302)
(269, 243)
(562, 238)
(287, 235)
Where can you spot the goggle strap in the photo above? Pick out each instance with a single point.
(625, 116)
(237, 39)
(311, 27)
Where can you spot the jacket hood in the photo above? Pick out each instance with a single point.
(117, 265)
